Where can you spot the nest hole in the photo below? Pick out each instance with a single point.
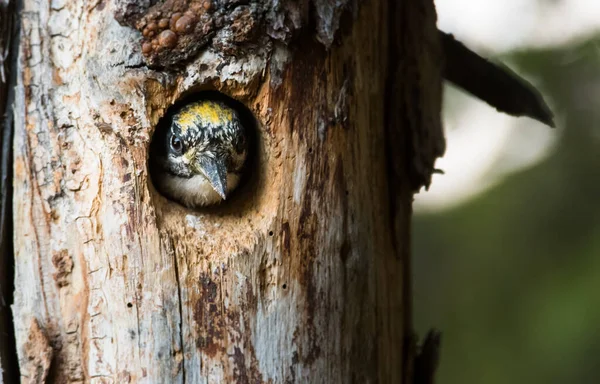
(250, 183)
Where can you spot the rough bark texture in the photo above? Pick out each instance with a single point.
(303, 275)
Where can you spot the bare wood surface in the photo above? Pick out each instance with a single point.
(302, 276)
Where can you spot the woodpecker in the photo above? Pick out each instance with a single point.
(199, 157)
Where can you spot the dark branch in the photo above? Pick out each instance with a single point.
(8, 66)
(428, 358)
(493, 83)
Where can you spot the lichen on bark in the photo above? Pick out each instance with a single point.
(174, 31)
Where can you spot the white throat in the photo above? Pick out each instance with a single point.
(195, 191)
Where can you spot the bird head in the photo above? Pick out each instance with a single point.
(203, 153)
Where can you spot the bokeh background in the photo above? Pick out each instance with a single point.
(507, 242)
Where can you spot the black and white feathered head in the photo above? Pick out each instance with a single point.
(202, 155)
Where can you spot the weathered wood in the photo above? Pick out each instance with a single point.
(302, 276)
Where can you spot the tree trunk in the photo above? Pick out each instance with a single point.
(303, 275)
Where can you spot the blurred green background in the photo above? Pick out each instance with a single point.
(511, 275)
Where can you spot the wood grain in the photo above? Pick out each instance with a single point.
(297, 278)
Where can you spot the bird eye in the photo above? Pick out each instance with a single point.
(176, 144)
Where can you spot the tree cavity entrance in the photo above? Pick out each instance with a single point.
(204, 152)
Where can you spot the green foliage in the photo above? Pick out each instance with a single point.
(512, 278)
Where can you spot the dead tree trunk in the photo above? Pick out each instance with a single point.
(303, 276)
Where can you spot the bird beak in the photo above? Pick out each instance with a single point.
(215, 172)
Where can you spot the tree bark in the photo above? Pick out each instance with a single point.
(303, 275)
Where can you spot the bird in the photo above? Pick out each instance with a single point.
(198, 160)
